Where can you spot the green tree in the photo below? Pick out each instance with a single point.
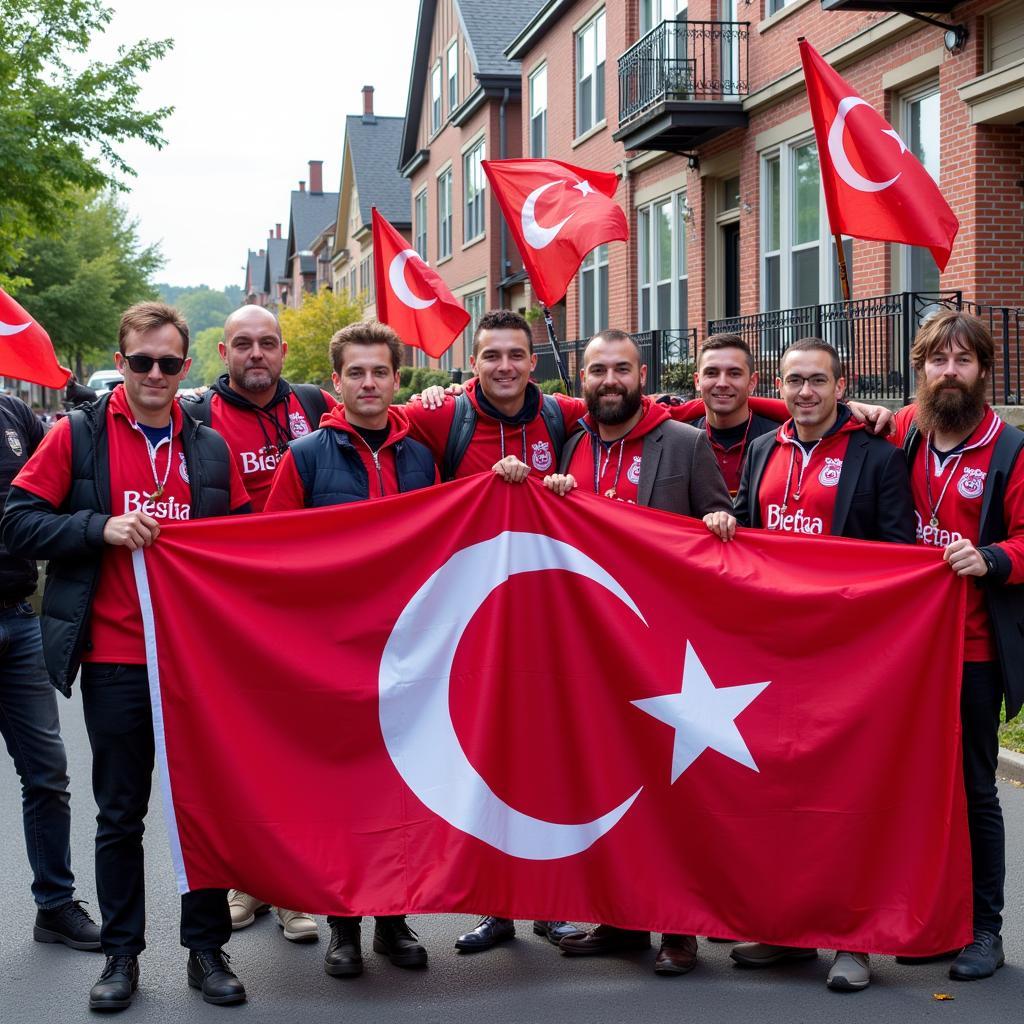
(207, 365)
(60, 118)
(203, 308)
(84, 276)
(308, 330)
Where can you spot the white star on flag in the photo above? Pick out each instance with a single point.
(895, 135)
(703, 716)
(584, 186)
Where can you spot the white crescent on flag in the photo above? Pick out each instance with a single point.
(837, 151)
(414, 681)
(396, 277)
(536, 234)
(8, 329)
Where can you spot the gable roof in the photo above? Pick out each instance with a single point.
(374, 148)
(255, 271)
(276, 249)
(310, 213)
(487, 27)
(530, 32)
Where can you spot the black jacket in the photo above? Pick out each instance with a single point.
(873, 499)
(1004, 601)
(20, 434)
(71, 537)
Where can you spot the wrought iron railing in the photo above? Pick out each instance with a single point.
(684, 60)
(1007, 326)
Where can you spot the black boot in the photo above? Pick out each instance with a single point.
(69, 923)
(344, 957)
(208, 971)
(117, 983)
(398, 942)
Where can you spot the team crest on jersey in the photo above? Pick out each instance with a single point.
(14, 442)
(829, 475)
(298, 423)
(541, 457)
(633, 473)
(971, 482)
(182, 467)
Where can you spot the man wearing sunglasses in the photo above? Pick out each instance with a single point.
(100, 486)
(820, 474)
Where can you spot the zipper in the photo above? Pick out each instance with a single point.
(380, 477)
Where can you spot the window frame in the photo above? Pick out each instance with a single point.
(421, 231)
(445, 213)
(535, 75)
(678, 281)
(436, 113)
(474, 210)
(470, 300)
(452, 82)
(593, 263)
(595, 78)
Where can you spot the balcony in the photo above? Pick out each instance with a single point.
(683, 84)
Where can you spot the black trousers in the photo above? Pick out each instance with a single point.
(980, 700)
(118, 719)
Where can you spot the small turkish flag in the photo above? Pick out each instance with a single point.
(874, 186)
(411, 297)
(26, 352)
(557, 213)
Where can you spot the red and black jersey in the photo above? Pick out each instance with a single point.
(949, 489)
(797, 493)
(159, 488)
(612, 468)
(258, 436)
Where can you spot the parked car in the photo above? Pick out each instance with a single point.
(104, 380)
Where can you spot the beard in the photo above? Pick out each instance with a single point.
(950, 411)
(257, 378)
(611, 415)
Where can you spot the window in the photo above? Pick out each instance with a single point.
(919, 121)
(798, 263)
(435, 98)
(473, 193)
(444, 215)
(366, 278)
(453, 76)
(352, 292)
(654, 12)
(420, 223)
(474, 305)
(590, 74)
(774, 6)
(539, 112)
(594, 292)
(662, 275)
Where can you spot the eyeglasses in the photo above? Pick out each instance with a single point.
(794, 382)
(170, 366)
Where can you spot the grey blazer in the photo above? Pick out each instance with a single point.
(678, 472)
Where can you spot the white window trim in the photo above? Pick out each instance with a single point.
(453, 43)
(437, 66)
(541, 68)
(577, 32)
(677, 198)
(482, 233)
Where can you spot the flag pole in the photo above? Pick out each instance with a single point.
(844, 277)
(559, 364)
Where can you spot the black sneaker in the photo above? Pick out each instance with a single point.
(209, 971)
(117, 983)
(398, 942)
(69, 923)
(981, 959)
(344, 958)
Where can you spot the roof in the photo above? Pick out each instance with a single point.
(276, 249)
(310, 213)
(255, 270)
(488, 26)
(374, 147)
(536, 26)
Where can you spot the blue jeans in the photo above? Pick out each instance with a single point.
(31, 729)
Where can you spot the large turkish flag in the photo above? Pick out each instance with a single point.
(557, 213)
(874, 185)
(485, 698)
(26, 352)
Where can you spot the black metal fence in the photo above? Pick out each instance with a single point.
(684, 60)
(1007, 325)
(668, 355)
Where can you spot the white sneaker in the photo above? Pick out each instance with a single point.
(244, 908)
(850, 972)
(298, 927)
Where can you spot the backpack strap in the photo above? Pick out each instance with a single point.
(200, 409)
(459, 436)
(551, 413)
(911, 442)
(313, 403)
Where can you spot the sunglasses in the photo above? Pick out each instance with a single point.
(170, 366)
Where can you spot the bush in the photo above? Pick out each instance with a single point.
(677, 379)
(552, 387)
(405, 376)
(417, 379)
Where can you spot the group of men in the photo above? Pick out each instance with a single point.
(105, 479)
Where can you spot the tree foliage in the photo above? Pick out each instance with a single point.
(60, 121)
(207, 364)
(84, 276)
(308, 331)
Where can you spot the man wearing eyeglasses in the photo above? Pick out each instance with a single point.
(100, 486)
(820, 474)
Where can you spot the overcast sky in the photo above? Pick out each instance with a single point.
(259, 89)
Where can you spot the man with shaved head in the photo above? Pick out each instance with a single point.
(258, 413)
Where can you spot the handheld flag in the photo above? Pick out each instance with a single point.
(26, 352)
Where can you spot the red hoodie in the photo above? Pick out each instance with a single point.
(287, 491)
(798, 488)
(613, 468)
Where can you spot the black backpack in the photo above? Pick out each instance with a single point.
(464, 423)
(310, 397)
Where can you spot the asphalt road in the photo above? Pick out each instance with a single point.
(523, 981)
